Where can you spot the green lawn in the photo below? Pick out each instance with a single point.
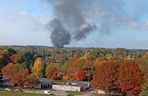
(73, 92)
(6, 93)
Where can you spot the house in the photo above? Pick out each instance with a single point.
(72, 86)
(5, 81)
(44, 83)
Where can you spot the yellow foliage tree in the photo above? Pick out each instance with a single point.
(38, 67)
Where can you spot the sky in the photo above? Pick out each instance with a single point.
(23, 22)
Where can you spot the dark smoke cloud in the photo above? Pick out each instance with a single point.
(71, 14)
(84, 30)
(75, 17)
(59, 36)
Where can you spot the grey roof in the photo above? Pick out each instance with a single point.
(78, 83)
(5, 78)
(45, 80)
(74, 81)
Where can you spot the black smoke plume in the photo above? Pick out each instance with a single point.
(70, 21)
(59, 36)
(75, 17)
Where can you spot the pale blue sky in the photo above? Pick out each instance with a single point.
(22, 22)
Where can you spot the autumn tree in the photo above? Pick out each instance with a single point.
(38, 67)
(20, 78)
(17, 74)
(105, 76)
(143, 63)
(13, 58)
(119, 54)
(88, 64)
(99, 61)
(66, 76)
(11, 69)
(52, 60)
(4, 58)
(54, 75)
(131, 78)
(79, 74)
(51, 71)
(31, 81)
(145, 90)
(63, 68)
(88, 60)
(73, 63)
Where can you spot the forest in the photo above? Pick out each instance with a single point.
(120, 69)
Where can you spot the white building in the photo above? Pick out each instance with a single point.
(66, 87)
(72, 86)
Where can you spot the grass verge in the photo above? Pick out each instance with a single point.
(73, 92)
(7, 93)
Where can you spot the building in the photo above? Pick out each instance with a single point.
(72, 86)
(44, 83)
(5, 81)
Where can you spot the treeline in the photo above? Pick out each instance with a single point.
(108, 69)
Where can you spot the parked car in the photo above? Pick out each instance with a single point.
(49, 93)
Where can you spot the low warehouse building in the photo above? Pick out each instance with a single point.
(72, 86)
(66, 88)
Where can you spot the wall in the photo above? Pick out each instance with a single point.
(66, 88)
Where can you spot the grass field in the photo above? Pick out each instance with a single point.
(73, 92)
(6, 93)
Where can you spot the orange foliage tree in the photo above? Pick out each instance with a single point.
(66, 76)
(74, 62)
(99, 61)
(11, 69)
(20, 78)
(52, 71)
(79, 74)
(105, 76)
(131, 78)
(54, 75)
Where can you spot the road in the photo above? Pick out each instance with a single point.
(57, 92)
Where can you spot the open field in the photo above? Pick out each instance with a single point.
(6, 93)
